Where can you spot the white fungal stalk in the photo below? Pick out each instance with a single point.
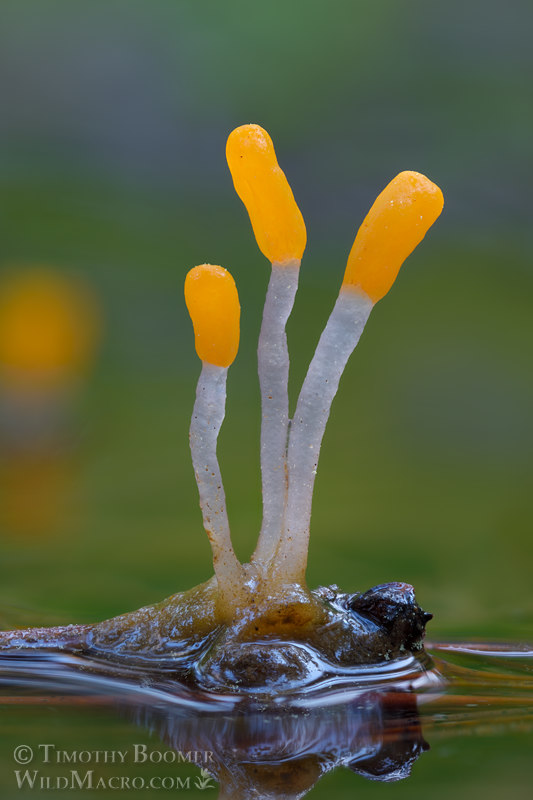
(213, 303)
(208, 415)
(338, 340)
(273, 360)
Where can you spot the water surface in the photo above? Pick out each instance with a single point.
(462, 718)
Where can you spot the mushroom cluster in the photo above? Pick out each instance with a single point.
(257, 625)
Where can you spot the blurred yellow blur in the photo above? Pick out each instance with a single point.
(49, 327)
(49, 331)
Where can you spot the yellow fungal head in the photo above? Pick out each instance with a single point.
(396, 223)
(276, 220)
(213, 304)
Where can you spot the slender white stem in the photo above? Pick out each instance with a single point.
(336, 344)
(207, 418)
(273, 358)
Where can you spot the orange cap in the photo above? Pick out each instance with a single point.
(213, 304)
(396, 223)
(276, 220)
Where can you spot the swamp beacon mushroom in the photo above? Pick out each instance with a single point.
(257, 626)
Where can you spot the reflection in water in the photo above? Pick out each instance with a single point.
(48, 332)
(280, 748)
(279, 753)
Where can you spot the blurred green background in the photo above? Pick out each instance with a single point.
(113, 124)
